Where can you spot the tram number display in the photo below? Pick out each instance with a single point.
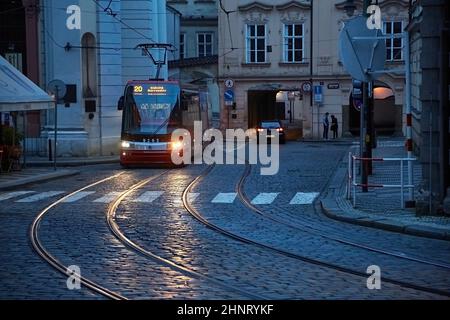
(150, 90)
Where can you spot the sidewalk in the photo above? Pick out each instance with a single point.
(381, 208)
(32, 175)
(71, 161)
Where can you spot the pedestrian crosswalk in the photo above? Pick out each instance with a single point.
(263, 198)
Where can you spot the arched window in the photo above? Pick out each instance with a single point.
(89, 65)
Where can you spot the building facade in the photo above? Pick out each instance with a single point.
(96, 59)
(430, 56)
(196, 60)
(276, 52)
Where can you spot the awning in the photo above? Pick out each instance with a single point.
(18, 93)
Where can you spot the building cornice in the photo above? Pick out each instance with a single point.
(293, 4)
(381, 4)
(256, 5)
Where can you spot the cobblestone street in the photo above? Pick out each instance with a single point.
(201, 232)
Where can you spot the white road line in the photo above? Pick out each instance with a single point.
(15, 194)
(225, 198)
(265, 198)
(78, 196)
(191, 198)
(110, 197)
(304, 198)
(40, 196)
(149, 196)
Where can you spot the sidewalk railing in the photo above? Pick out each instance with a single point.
(353, 184)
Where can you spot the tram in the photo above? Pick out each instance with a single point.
(151, 112)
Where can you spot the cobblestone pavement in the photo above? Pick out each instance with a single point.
(76, 233)
(385, 202)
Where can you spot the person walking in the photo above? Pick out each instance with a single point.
(334, 126)
(326, 126)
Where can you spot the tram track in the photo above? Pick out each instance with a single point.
(53, 261)
(115, 229)
(308, 229)
(195, 213)
(128, 243)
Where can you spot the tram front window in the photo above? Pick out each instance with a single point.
(149, 113)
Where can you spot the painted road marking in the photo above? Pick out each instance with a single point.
(265, 198)
(304, 198)
(110, 197)
(225, 198)
(149, 196)
(40, 196)
(191, 198)
(78, 196)
(10, 195)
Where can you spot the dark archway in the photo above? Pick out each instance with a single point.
(385, 112)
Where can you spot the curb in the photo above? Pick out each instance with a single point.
(72, 163)
(385, 224)
(331, 209)
(39, 178)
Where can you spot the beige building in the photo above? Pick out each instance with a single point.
(265, 48)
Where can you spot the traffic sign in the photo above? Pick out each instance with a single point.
(318, 94)
(362, 50)
(229, 95)
(229, 83)
(306, 87)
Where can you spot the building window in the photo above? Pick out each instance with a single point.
(256, 43)
(204, 44)
(182, 46)
(293, 42)
(394, 46)
(89, 65)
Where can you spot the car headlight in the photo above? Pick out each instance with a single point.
(126, 144)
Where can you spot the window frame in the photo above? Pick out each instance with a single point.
(255, 38)
(392, 47)
(182, 46)
(286, 38)
(205, 44)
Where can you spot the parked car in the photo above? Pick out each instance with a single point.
(271, 126)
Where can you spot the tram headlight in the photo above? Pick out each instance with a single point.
(126, 144)
(176, 145)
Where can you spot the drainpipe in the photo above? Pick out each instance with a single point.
(311, 69)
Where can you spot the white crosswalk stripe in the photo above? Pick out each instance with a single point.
(191, 198)
(225, 198)
(304, 198)
(15, 194)
(78, 196)
(40, 196)
(265, 198)
(149, 196)
(110, 197)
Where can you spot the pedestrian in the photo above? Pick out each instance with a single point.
(326, 126)
(334, 126)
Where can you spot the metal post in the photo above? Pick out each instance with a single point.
(408, 113)
(353, 182)
(350, 178)
(401, 185)
(363, 128)
(56, 126)
(430, 201)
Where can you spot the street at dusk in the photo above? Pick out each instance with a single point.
(224, 155)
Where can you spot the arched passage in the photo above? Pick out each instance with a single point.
(386, 112)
